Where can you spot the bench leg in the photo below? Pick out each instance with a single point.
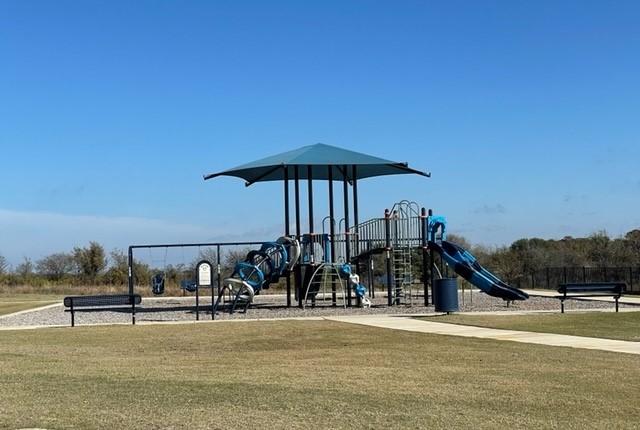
(73, 320)
(133, 312)
(617, 303)
(561, 306)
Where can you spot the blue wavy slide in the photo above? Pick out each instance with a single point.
(466, 265)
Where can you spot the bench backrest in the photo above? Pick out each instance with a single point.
(593, 287)
(105, 300)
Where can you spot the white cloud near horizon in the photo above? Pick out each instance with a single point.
(37, 234)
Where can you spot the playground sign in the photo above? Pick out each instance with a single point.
(203, 271)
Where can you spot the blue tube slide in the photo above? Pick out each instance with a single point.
(466, 265)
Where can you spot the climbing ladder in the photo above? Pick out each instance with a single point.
(405, 234)
(402, 275)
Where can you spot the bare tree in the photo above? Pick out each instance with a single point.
(25, 269)
(233, 256)
(208, 254)
(55, 266)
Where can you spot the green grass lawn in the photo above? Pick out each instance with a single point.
(302, 375)
(20, 302)
(609, 325)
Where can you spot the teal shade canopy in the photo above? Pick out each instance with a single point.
(319, 158)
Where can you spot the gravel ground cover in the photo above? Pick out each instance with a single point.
(271, 306)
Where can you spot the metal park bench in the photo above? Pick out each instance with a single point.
(113, 302)
(591, 289)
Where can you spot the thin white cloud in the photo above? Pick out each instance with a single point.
(36, 234)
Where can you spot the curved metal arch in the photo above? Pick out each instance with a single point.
(336, 276)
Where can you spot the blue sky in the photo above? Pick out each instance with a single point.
(526, 113)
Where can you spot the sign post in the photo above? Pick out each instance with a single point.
(204, 270)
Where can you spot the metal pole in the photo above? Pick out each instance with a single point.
(432, 261)
(219, 278)
(372, 290)
(298, 272)
(213, 300)
(425, 282)
(287, 227)
(387, 239)
(347, 248)
(197, 302)
(213, 297)
(130, 270)
(310, 198)
(332, 233)
(219, 268)
(355, 210)
(356, 227)
(296, 186)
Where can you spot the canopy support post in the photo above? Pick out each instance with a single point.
(431, 260)
(425, 263)
(355, 209)
(332, 232)
(310, 198)
(298, 272)
(356, 229)
(287, 228)
(347, 247)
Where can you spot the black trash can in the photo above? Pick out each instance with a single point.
(445, 295)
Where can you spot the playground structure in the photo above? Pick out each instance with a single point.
(258, 271)
(326, 266)
(327, 278)
(466, 265)
(335, 280)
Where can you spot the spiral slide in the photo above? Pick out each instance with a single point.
(466, 265)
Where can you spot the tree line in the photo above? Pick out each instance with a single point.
(83, 265)
(524, 257)
(92, 265)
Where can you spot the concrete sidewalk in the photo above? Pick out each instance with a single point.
(421, 326)
(26, 311)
